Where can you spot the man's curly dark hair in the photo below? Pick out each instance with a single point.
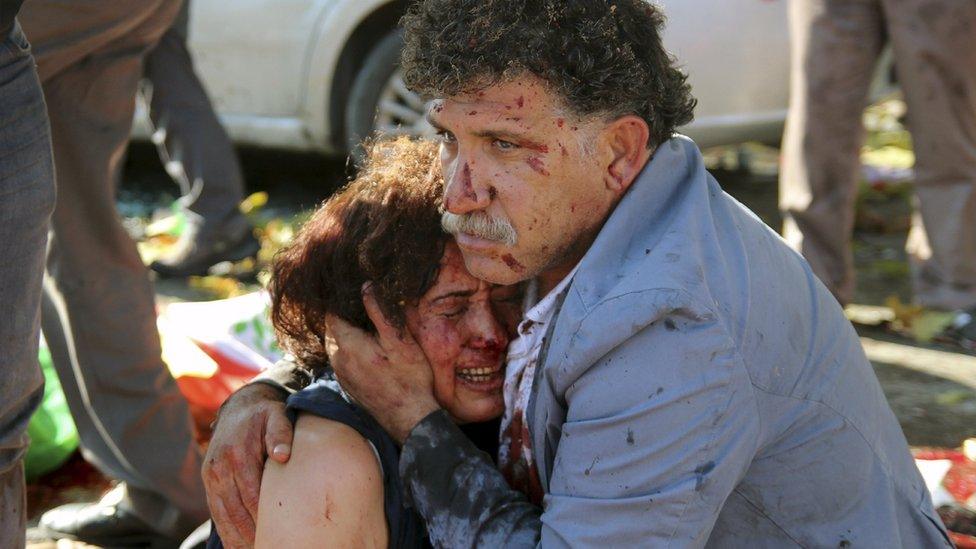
(603, 57)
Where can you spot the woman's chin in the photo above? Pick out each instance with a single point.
(471, 412)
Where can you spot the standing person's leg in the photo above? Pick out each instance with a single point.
(935, 52)
(26, 201)
(199, 156)
(835, 46)
(99, 316)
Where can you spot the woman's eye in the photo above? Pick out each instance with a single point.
(510, 294)
(454, 313)
(509, 300)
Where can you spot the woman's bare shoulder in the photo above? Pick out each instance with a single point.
(318, 438)
(331, 455)
(332, 485)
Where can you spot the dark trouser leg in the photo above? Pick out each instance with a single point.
(935, 52)
(835, 46)
(26, 201)
(13, 512)
(200, 154)
(99, 315)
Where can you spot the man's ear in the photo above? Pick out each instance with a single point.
(626, 139)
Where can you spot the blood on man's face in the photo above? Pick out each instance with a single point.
(507, 151)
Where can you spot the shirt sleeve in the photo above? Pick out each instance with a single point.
(458, 491)
(288, 376)
(658, 433)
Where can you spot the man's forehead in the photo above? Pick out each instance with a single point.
(518, 111)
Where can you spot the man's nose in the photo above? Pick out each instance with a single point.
(462, 193)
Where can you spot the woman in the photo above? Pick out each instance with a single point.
(381, 232)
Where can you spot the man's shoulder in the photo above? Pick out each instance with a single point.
(633, 334)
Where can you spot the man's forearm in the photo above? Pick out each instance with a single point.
(459, 492)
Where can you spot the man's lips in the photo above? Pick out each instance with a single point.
(475, 243)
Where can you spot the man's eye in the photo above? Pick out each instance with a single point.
(445, 136)
(505, 145)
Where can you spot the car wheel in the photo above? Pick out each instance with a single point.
(380, 101)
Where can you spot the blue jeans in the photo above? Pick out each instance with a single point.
(26, 201)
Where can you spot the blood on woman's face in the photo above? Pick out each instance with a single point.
(456, 325)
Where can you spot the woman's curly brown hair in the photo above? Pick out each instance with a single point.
(604, 57)
(382, 227)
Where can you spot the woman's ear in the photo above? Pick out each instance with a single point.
(627, 140)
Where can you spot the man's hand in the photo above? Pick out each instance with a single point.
(387, 374)
(252, 425)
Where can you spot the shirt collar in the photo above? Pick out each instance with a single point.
(540, 311)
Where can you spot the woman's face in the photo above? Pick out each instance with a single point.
(463, 326)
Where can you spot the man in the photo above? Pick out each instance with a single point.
(836, 45)
(98, 311)
(685, 380)
(199, 156)
(26, 201)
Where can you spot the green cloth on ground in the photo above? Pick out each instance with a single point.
(51, 429)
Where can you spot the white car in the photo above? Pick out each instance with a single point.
(318, 75)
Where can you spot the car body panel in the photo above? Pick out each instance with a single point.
(269, 66)
(333, 33)
(736, 53)
(254, 57)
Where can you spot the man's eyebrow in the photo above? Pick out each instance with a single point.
(459, 293)
(504, 135)
(485, 134)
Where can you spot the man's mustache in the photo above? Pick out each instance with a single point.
(481, 225)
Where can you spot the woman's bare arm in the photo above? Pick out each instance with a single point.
(329, 494)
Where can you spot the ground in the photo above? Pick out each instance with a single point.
(931, 388)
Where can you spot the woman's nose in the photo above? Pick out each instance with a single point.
(487, 332)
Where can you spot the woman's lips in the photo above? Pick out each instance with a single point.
(486, 379)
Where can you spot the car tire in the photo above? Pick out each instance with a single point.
(371, 86)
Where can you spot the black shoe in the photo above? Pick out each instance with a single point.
(205, 243)
(104, 523)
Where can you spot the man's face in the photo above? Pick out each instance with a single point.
(509, 156)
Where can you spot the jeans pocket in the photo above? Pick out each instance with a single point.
(16, 43)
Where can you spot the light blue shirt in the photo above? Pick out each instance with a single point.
(700, 388)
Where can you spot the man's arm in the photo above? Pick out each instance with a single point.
(251, 426)
(657, 435)
(459, 492)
